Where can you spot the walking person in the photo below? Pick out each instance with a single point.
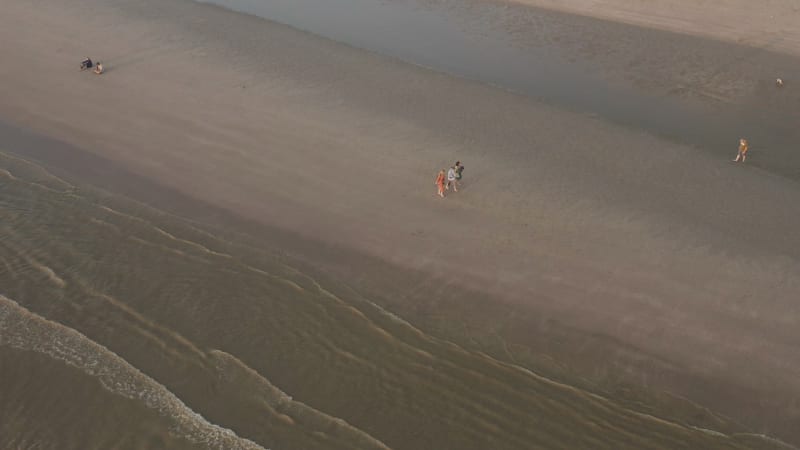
(440, 177)
(451, 178)
(459, 171)
(743, 147)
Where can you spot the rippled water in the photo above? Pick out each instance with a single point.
(125, 327)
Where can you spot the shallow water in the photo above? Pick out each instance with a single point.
(579, 63)
(451, 39)
(211, 342)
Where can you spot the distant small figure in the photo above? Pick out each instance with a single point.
(99, 69)
(86, 64)
(459, 171)
(743, 147)
(440, 182)
(451, 178)
(779, 82)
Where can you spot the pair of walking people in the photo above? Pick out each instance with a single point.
(445, 180)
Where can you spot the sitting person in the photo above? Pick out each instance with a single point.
(99, 68)
(86, 63)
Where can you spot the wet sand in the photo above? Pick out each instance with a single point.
(690, 91)
(685, 265)
(131, 314)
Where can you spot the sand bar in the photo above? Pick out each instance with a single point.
(770, 24)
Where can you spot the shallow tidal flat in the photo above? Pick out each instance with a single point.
(136, 320)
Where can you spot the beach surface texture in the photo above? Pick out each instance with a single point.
(583, 247)
(769, 24)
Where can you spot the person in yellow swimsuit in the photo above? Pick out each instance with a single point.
(743, 147)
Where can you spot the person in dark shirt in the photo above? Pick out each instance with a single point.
(86, 63)
(459, 170)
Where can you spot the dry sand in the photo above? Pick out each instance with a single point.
(769, 24)
(686, 257)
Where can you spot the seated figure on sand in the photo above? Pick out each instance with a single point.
(99, 69)
(86, 63)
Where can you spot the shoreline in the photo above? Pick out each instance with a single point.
(325, 262)
(189, 244)
(640, 247)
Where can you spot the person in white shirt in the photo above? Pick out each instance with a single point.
(451, 179)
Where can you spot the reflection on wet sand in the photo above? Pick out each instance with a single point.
(221, 346)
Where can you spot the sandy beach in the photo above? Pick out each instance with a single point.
(771, 24)
(619, 254)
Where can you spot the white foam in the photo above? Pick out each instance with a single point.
(24, 330)
(7, 174)
(50, 273)
(283, 403)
